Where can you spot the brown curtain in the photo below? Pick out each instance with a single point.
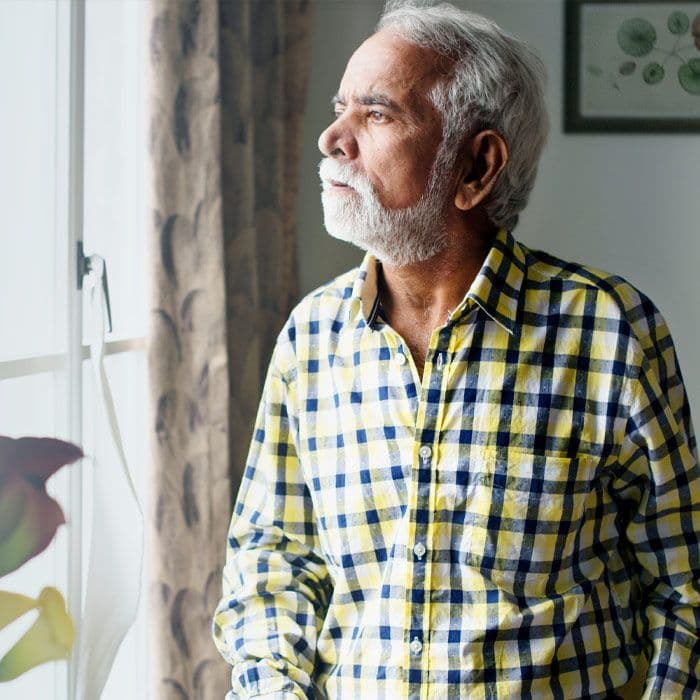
(228, 84)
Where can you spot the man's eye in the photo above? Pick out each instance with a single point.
(377, 116)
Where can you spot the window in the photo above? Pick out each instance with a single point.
(45, 377)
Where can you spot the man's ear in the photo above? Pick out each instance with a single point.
(484, 156)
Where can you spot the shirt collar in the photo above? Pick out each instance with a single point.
(496, 288)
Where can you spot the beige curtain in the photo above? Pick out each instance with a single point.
(227, 82)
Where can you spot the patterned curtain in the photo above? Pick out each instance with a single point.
(228, 84)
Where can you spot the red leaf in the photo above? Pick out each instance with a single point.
(29, 517)
(35, 457)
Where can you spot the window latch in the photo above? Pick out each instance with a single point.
(84, 267)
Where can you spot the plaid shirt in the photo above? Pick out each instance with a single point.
(523, 522)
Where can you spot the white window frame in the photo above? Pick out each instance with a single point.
(72, 15)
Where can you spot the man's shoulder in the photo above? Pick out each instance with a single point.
(327, 300)
(598, 292)
(543, 268)
(321, 311)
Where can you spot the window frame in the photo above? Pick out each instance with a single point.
(69, 125)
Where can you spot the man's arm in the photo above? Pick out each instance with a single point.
(659, 486)
(275, 583)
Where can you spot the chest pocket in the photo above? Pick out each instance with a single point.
(525, 515)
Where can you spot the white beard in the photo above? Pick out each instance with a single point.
(397, 237)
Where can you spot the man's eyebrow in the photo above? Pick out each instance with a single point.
(374, 98)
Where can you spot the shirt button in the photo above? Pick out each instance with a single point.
(440, 362)
(419, 550)
(401, 358)
(425, 452)
(415, 646)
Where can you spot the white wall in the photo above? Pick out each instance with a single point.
(629, 204)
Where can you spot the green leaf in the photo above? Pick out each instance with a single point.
(695, 31)
(627, 68)
(689, 76)
(636, 36)
(35, 517)
(50, 638)
(595, 70)
(678, 23)
(653, 73)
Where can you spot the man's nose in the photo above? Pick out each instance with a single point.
(338, 141)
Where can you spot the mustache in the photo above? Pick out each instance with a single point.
(329, 169)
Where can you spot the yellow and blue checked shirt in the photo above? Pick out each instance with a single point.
(523, 522)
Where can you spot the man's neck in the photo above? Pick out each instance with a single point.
(426, 293)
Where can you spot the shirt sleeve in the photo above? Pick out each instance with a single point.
(276, 587)
(659, 489)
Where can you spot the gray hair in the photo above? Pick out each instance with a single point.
(496, 82)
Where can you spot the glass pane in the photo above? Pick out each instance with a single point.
(33, 405)
(115, 156)
(127, 375)
(33, 269)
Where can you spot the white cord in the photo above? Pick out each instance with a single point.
(116, 545)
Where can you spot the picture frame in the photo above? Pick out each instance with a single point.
(632, 66)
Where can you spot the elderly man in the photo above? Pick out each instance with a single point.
(473, 472)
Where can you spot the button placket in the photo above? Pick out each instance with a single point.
(419, 550)
(419, 571)
(416, 646)
(440, 362)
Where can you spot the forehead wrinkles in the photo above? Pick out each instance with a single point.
(409, 94)
(388, 63)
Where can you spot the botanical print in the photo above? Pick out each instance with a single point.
(640, 60)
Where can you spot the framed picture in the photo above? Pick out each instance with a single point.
(632, 66)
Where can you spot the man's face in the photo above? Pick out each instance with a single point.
(386, 182)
